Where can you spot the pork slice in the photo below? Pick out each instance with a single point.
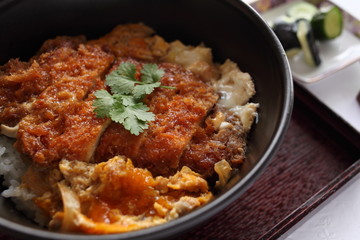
(178, 114)
(222, 138)
(135, 41)
(62, 124)
(118, 141)
(21, 82)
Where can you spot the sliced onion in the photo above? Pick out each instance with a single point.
(71, 206)
(9, 131)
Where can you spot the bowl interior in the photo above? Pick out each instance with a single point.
(230, 27)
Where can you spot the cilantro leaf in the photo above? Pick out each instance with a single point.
(141, 111)
(143, 89)
(126, 100)
(103, 103)
(122, 80)
(125, 104)
(151, 73)
(135, 126)
(120, 112)
(134, 117)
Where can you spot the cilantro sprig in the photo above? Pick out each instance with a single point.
(125, 104)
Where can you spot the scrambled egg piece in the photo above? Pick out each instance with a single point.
(117, 197)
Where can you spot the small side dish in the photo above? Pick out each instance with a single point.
(303, 25)
(120, 133)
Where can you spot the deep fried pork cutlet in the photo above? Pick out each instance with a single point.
(21, 82)
(61, 123)
(51, 96)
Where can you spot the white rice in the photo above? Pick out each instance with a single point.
(12, 168)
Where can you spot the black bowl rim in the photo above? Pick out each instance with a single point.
(204, 213)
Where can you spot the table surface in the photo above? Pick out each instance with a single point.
(336, 218)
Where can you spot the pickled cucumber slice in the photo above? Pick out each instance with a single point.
(327, 24)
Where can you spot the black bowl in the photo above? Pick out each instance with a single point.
(230, 27)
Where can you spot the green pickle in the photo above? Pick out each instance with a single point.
(327, 24)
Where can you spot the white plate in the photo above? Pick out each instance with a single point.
(335, 54)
